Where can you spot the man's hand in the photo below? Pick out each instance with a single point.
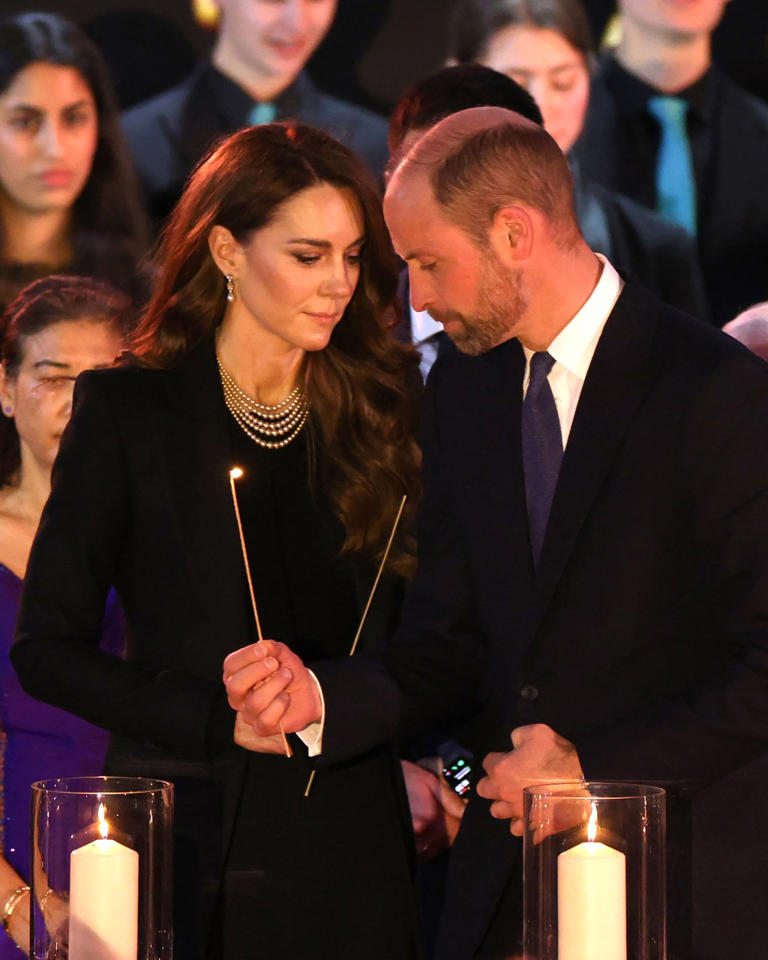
(436, 811)
(268, 684)
(539, 755)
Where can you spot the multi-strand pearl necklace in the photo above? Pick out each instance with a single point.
(272, 426)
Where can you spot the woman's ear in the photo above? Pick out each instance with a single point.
(7, 393)
(224, 249)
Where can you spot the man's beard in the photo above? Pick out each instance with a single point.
(501, 301)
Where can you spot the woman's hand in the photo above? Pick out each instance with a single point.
(246, 738)
(18, 924)
(268, 684)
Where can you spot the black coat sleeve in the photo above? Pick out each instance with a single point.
(81, 550)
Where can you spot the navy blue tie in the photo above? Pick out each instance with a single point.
(542, 449)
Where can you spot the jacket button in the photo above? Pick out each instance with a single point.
(529, 692)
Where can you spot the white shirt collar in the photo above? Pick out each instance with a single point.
(575, 345)
(423, 326)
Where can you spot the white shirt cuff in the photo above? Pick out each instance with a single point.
(312, 735)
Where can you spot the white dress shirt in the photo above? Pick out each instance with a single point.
(424, 331)
(574, 347)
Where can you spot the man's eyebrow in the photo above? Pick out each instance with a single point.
(415, 255)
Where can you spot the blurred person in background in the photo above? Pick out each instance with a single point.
(546, 46)
(423, 105)
(69, 200)
(53, 330)
(669, 129)
(255, 75)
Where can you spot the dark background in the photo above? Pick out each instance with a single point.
(374, 50)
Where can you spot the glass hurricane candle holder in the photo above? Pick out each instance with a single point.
(102, 869)
(594, 880)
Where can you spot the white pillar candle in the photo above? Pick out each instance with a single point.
(103, 900)
(592, 900)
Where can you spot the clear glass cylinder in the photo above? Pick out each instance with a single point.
(594, 872)
(102, 881)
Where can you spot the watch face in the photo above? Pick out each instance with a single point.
(457, 775)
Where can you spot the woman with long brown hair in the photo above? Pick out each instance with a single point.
(69, 199)
(263, 347)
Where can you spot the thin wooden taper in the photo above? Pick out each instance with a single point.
(371, 595)
(233, 474)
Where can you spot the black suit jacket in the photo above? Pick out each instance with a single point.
(644, 637)
(141, 501)
(170, 133)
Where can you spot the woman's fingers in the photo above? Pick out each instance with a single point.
(260, 708)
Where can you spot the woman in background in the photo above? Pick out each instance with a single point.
(546, 46)
(69, 200)
(263, 346)
(51, 332)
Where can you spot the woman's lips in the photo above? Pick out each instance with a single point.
(56, 178)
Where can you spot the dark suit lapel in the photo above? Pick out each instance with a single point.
(199, 460)
(618, 379)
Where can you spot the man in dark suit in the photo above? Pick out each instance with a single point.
(593, 572)
(658, 253)
(255, 75)
(667, 128)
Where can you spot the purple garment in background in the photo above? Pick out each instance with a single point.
(40, 741)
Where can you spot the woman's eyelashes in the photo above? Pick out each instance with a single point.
(353, 257)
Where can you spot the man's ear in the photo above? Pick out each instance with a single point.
(512, 234)
(225, 250)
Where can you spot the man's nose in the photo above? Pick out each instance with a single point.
(293, 14)
(419, 292)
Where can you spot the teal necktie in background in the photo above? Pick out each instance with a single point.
(262, 113)
(675, 184)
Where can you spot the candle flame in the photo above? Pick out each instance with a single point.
(103, 825)
(235, 473)
(592, 825)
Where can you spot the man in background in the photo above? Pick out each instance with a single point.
(255, 75)
(667, 128)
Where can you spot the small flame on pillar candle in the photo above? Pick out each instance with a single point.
(592, 825)
(103, 825)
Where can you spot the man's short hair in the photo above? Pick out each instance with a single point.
(453, 89)
(480, 160)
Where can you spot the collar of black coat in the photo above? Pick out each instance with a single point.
(235, 104)
(634, 93)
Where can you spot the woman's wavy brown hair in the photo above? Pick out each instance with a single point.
(362, 413)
